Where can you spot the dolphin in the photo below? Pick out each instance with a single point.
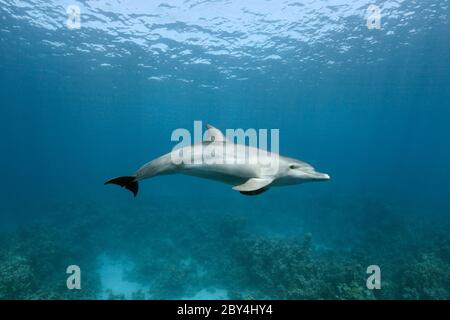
(251, 171)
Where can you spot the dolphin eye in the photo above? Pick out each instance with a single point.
(293, 166)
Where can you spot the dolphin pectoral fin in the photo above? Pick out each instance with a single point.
(128, 182)
(254, 193)
(253, 185)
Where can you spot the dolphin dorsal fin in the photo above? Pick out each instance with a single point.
(214, 134)
(253, 184)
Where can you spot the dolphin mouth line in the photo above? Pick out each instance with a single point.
(320, 176)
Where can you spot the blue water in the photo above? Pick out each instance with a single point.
(370, 107)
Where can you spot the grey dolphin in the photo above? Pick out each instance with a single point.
(250, 170)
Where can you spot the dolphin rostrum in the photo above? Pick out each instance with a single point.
(250, 170)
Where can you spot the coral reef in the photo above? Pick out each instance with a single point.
(33, 266)
(214, 249)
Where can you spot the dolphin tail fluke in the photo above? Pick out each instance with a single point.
(128, 182)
